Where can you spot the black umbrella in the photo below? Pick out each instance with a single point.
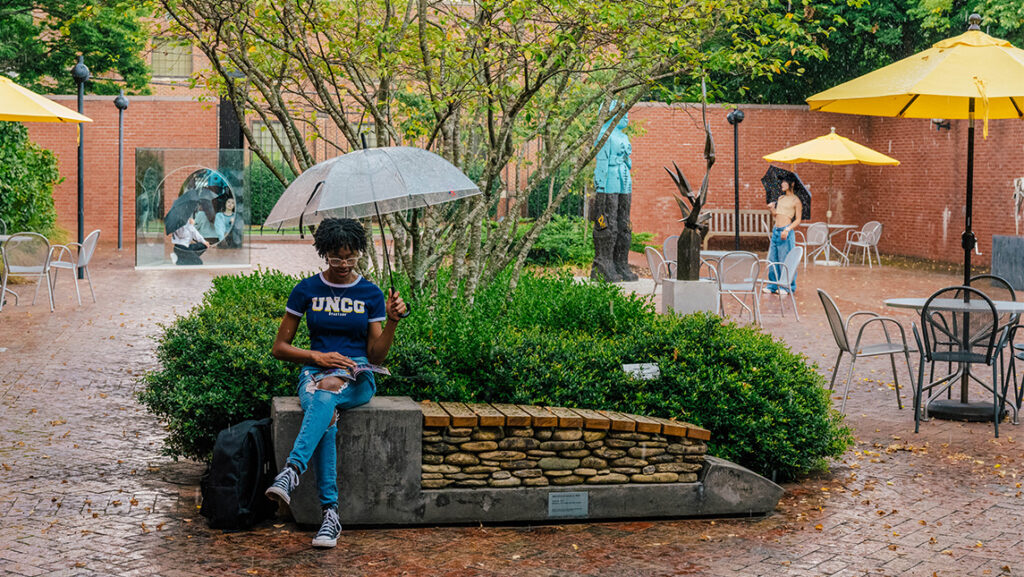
(184, 207)
(772, 181)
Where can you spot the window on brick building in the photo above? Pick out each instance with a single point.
(172, 57)
(265, 140)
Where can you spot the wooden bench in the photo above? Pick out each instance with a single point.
(753, 222)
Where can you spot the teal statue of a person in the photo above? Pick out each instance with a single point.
(614, 187)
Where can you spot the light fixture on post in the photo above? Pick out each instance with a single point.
(940, 123)
(80, 73)
(735, 117)
(121, 103)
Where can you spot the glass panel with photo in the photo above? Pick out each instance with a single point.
(203, 221)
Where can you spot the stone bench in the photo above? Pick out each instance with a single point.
(403, 462)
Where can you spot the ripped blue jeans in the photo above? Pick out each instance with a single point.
(317, 436)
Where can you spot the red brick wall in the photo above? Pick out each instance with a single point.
(920, 203)
(149, 122)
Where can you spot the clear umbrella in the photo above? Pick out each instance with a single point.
(363, 182)
(370, 182)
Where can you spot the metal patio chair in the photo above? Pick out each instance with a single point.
(867, 239)
(814, 242)
(62, 258)
(27, 254)
(965, 338)
(660, 270)
(738, 272)
(891, 347)
(670, 247)
(784, 274)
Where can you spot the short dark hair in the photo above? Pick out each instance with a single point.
(337, 233)
(790, 179)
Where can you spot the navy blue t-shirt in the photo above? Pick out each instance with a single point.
(338, 315)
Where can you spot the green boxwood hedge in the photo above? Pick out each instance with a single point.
(556, 341)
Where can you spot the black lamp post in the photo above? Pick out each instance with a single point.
(121, 103)
(81, 74)
(735, 117)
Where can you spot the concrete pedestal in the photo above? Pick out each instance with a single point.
(689, 296)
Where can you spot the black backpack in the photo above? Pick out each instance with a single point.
(241, 470)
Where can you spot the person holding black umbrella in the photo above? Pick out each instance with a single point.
(787, 211)
(344, 312)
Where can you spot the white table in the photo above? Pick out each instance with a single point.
(833, 229)
(960, 409)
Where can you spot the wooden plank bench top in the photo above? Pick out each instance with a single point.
(567, 418)
(434, 415)
(541, 417)
(488, 416)
(500, 414)
(461, 415)
(514, 416)
(594, 420)
(620, 421)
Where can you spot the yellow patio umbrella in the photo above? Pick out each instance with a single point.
(959, 77)
(19, 104)
(831, 149)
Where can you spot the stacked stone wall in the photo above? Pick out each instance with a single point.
(542, 456)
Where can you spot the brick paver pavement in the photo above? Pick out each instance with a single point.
(85, 491)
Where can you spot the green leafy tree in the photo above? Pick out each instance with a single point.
(28, 174)
(856, 37)
(479, 82)
(40, 41)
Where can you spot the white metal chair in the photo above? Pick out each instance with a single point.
(670, 247)
(866, 238)
(737, 276)
(785, 272)
(890, 347)
(659, 268)
(814, 242)
(62, 258)
(27, 254)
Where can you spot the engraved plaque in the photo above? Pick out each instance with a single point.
(568, 504)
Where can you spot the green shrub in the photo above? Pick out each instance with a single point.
(28, 174)
(537, 195)
(216, 363)
(265, 189)
(555, 342)
(570, 240)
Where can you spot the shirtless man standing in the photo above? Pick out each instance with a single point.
(786, 210)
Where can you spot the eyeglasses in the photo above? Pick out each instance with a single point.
(343, 261)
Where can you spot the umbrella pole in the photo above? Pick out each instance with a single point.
(828, 213)
(387, 260)
(968, 241)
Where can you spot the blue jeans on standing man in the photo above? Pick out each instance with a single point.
(777, 252)
(317, 436)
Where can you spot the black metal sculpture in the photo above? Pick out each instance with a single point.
(695, 224)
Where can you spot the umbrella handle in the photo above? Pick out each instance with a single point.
(408, 307)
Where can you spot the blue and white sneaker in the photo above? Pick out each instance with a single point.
(283, 485)
(327, 536)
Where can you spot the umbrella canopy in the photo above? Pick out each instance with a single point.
(960, 77)
(772, 182)
(19, 104)
(361, 182)
(831, 149)
(938, 83)
(184, 207)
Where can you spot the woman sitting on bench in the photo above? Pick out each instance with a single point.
(344, 313)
